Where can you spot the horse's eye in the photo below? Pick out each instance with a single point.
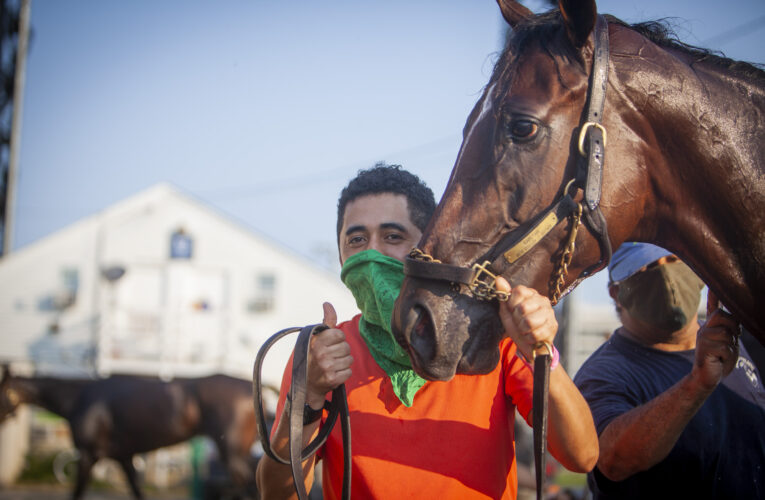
(523, 129)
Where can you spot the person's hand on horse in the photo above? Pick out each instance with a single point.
(329, 360)
(527, 316)
(716, 346)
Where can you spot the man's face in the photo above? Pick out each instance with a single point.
(381, 222)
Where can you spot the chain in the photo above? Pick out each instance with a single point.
(559, 276)
(483, 286)
(418, 254)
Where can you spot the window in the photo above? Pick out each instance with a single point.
(264, 295)
(181, 245)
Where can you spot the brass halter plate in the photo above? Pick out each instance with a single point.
(527, 243)
(483, 284)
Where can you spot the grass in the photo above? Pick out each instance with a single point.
(568, 479)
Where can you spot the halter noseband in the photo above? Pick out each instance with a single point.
(481, 277)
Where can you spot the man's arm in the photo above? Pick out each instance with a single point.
(329, 365)
(528, 318)
(639, 439)
(275, 479)
(572, 438)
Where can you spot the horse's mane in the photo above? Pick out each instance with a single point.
(543, 28)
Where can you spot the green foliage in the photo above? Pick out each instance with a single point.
(568, 479)
(38, 469)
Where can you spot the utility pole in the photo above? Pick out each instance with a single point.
(14, 38)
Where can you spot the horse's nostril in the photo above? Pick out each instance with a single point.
(423, 338)
(423, 325)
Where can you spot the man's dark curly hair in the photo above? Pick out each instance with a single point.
(384, 178)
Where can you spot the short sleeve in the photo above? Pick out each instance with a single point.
(607, 390)
(518, 378)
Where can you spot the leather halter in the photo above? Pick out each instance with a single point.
(296, 403)
(481, 276)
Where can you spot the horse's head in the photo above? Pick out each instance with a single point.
(9, 396)
(514, 197)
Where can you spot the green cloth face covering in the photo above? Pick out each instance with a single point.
(375, 281)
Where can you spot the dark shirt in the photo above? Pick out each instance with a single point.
(720, 453)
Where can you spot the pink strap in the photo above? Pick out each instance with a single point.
(553, 363)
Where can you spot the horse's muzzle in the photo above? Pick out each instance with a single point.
(445, 332)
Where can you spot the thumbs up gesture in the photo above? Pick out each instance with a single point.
(329, 360)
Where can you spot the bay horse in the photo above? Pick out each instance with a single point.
(684, 168)
(122, 415)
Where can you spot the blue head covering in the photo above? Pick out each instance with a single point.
(632, 256)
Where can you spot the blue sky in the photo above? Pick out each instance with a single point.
(265, 109)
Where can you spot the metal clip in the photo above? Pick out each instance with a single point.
(583, 134)
(539, 345)
(484, 283)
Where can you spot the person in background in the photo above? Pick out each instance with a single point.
(679, 407)
(414, 438)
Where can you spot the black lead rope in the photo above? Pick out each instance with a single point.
(539, 400)
(337, 407)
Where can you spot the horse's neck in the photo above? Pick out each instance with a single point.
(709, 132)
(719, 114)
(55, 395)
(709, 180)
(721, 141)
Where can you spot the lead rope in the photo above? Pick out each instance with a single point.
(539, 401)
(337, 407)
(540, 396)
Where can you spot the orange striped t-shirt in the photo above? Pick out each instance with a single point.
(454, 442)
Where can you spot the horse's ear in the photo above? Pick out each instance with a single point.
(579, 17)
(513, 12)
(6, 374)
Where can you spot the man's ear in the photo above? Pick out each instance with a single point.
(613, 291)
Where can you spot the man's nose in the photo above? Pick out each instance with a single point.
(375, 243)
(378, 243)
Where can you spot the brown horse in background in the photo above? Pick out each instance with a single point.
(684, 169)
(120, 416)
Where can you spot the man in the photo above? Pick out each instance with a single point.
(414, 438)
(679, 408)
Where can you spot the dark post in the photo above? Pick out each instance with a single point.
(14, 35)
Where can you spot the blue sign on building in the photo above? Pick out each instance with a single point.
(181, 245)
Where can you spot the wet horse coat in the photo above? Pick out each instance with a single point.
(684, 168)
(121, 416)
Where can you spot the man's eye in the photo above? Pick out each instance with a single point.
(355, 240)
(523, 129)
(394, 236)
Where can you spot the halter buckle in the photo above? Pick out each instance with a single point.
(484, 283)
(583, 135)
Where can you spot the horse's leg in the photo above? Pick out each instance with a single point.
(240, 468)
(132, 477)
(84, 466)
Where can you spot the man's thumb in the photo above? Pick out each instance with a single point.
(713, 303)
(330, 316)
(502, 285)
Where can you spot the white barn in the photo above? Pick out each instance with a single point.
(158, 284)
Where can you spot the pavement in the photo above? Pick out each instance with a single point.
(45, 492)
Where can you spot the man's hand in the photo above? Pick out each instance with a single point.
(527, 316)
(716, 346)
(329, 360)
